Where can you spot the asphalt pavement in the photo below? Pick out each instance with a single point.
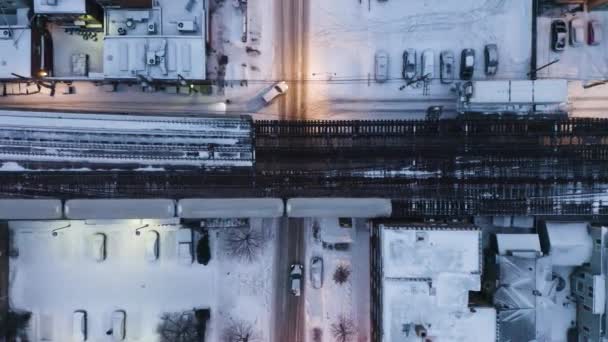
(288, 312)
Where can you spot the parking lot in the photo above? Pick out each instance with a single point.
(585, 62)
(345, 35)
(54, 276)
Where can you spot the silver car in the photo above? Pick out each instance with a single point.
(381, 66)
(409, 64)
(316, 272)
(295, 276)
(446, 60)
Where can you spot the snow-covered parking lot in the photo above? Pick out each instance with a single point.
(345, 35)
(585, 62)
(54, 275)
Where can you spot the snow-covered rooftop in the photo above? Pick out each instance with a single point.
(158, 57)
(60, 6)
(410, 303)
(418, 252)
(16, 56)
(427, 273)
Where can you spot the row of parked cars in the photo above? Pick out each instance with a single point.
(575, 33)
(151, 239)
(80, 326)
(296, 274)
(411, 71)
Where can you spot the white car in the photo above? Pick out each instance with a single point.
(577, 32)
(276, 90)
(184, 246)
(118, 325)
(381, 66)
(97, 245)
(428, 64)
(295, 275)
(316, 272)
(79, 326)
(151, 245)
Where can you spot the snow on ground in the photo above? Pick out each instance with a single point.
(584, 62)
(326, 305)
(245, 289)
(345, 36)
(257, 69)
(55, 275)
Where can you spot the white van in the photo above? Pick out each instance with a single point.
(428, 64)
(79, 326)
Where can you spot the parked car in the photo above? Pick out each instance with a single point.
(467, 64)
(184, 246)
(119, 329)
(594, 32)
(295, 275)
(381, 66)
(316, 272)
(98, 247)
(559, 32)
(79, 326)
(409, 64)
(151, 245)
(428, 64)
(278, 89)
(446, 62)
(577, 32)
(491, 59)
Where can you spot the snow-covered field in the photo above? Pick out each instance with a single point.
(346, 34)
(350, 300)
(53, 276)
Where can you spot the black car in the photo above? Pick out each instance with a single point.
(559, 34)
(491, 57)
(467, 64)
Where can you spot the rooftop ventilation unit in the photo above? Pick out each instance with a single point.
(5, 34)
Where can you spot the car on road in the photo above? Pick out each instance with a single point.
(491, 59)
(409, 64)
(97, 245)
(467, 64)
(577, 32)
(184, 246)
(278, 89)
(559, 33)
(594, 32)
(316, 272)
(428, 64)
(79, 326)
(119, 328)
(446, 62)
(381, 66)
(151, 238)
(296, 271)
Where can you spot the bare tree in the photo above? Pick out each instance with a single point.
(317, 334)
(240, 331)
(244, 243)
(341, 274)
(343, 330)
(178, 327)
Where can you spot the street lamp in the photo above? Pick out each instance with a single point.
(137, 232)
(54, 231)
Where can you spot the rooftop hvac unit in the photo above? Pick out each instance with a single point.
(151, 28)
(186, 26)
(151, 58)
(51, 2)
(5, 34)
